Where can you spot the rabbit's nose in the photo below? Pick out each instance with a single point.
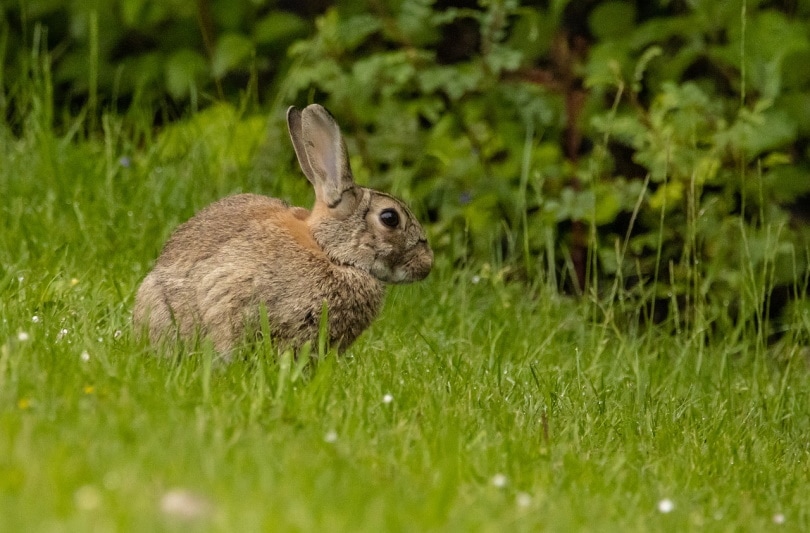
(423, 263)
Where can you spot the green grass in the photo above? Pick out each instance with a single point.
(511, 408)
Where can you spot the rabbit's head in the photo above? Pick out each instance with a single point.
(354, 225)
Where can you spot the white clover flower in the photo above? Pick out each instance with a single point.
(22, 336)
(778, 518)
(523, 499)
(35, 319)
(388, 398)
(183, 503)
(84, 356)
(666, 506)
(331, 436)
(499, 480)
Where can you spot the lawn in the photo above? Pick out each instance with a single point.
(472, 404)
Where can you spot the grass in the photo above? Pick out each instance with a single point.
(471, 404)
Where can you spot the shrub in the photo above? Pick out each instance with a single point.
(610, 145)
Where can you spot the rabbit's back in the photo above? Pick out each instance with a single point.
(240, 254)
(217, 225)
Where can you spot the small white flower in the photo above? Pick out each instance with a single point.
(183, 503)
(499, 480)
(117, 334)
(84, 356)
(35, 319)
(666, 506)
(523, 499)
(778, 518)
(388, 398)
(476, 279)
(22, 336)
(331, 436)
(61, 334)
(20, 278)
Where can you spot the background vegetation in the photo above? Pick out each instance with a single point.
(609, 144)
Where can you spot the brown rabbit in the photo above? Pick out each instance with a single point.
(247, 251)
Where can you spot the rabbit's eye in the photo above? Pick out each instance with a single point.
(390, 218)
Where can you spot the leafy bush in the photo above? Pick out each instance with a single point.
(708, 107)
(690, 158)
(148, 53)
(660, 149)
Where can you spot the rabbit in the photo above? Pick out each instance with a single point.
(248, 252)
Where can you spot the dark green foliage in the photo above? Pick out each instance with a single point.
(143, 53)
(672, 136)
(707, 105)
(660, 148)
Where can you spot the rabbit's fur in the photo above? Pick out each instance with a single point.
(247, 252)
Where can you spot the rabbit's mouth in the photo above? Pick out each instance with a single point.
(383, 272)
(415, 269)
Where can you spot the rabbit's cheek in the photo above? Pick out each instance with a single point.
(383, 272)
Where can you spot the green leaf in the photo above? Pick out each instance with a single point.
(130, 11)
(610, 20)
(353, 31)
(279, 27)
(532, 33)
(455, 81)
(390, 70)
(415, 22)
(667, 195)
(143, 70)
(769, 37)
(795, 74)
(608, 203)
(230, 14)
(231, 50)
(184, 69)
(606, 64)
(754, 133)
(797, 106)
(787, 182)
(503, 58)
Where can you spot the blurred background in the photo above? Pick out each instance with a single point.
(655, 151)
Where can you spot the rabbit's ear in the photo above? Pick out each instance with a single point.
(321, 152)
(297, 137)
